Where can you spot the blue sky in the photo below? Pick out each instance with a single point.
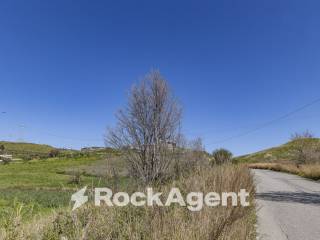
(66, 66)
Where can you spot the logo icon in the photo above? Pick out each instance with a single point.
(79, 198)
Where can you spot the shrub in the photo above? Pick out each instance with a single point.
(305, 151)
(54, 153)
(303, 135)
(75, 178)
(221, 156)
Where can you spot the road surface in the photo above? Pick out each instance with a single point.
(288, 206)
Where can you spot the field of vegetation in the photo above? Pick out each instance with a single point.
(47, 184)
(25, 221)
(311, 171)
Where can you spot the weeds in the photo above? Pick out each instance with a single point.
(164, 223)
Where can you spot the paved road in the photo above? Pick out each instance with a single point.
(288, 206)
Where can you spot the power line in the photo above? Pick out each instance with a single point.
(70, 138)
(266, 124)
(24, 127)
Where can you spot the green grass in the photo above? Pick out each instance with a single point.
(45, 184)
(41, 173)
(42, 199)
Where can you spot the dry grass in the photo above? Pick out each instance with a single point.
(311, 171)
(163, 223)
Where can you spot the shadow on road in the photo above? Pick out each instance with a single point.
(296, 197)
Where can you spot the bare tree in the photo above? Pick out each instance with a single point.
(145, 128)
(303, 135)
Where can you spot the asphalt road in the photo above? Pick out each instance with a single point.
(288, 206)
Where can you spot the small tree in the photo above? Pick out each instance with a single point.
(2, 148)
(145, 126)
(221, 156)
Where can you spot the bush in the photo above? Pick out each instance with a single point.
(303, 135)
(305, 149)
(75, 178)
(221, 156)
(54, 153)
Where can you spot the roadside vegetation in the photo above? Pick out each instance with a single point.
(311, 171)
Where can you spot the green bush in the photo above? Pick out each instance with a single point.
(221, 156)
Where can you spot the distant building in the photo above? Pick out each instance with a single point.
(169, 145)
(90, 149)
(5, 157)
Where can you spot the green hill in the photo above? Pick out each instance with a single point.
(21, 146)
(27, 150)
(283, 153)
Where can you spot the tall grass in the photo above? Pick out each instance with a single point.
(163, 223)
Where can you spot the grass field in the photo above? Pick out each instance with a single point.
(46, 184)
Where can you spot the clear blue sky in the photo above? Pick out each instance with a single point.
(65, 67)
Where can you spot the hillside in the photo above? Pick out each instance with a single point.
(283, 153)
(21, 146)
(27, 150)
